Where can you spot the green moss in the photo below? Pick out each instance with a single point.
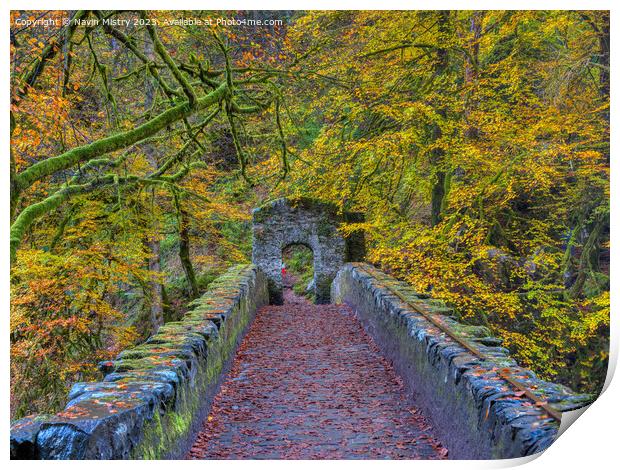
(163, 432)
(325, 229)
(168, 352)
(84, 153)
(260, 215)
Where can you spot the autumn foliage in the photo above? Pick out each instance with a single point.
(476, 144)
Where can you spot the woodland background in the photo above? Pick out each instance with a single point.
(476, 143)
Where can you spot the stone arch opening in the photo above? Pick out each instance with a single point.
(298, 260)
(309, 222)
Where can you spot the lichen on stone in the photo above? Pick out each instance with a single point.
(151, 394)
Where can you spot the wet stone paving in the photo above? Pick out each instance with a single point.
(308, 383)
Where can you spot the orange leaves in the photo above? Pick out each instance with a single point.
(61, 319)
(524, 144)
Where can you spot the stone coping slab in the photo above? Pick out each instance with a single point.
(477, 414)
(154, 396)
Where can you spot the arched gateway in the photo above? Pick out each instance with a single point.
(310, 222)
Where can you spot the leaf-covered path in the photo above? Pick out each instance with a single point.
(308, 383)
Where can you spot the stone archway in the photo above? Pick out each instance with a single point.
(309, 222)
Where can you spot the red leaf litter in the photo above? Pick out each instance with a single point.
(308, 383)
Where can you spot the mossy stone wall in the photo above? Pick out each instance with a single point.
(154, 396)
(476, 413)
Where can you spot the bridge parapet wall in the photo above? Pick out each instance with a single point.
(155, 396)
(477, 414)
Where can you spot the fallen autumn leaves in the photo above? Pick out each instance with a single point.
(308, 383)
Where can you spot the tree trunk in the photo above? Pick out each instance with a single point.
(184, 253)
(604, 52)
(156, 288)
(471, 69)
(438, 192)
(156, 304)
(589, 259)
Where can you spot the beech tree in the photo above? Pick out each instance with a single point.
(477, 145)
(188, 88)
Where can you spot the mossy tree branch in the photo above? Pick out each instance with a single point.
(115, 142)
(35, 211)
(165, 56)
(93, 157)
(129, 43)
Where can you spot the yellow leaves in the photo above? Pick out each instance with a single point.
(427, 261)
(348, 229)
(596, 317)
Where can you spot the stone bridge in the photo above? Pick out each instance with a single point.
(376, 371)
